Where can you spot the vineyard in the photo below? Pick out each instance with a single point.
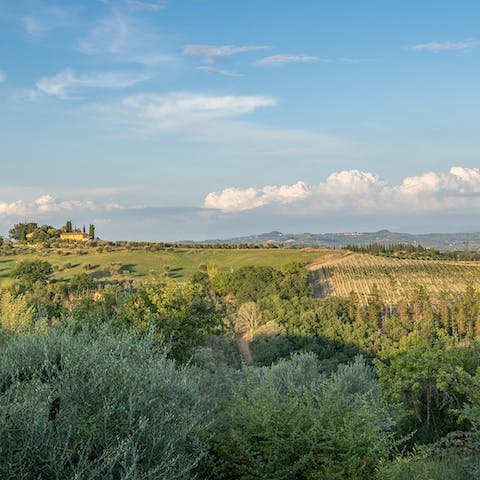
(345, 272)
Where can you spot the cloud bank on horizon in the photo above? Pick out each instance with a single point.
(47, 206)
(358, 191)
(345, 192)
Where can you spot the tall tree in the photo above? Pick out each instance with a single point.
(91, 231)
(68, 226)
(20, 231)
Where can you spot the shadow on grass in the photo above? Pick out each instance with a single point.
(175, 272)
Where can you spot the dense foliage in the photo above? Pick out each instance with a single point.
(290, 421)
(97, 406)
(240, 375)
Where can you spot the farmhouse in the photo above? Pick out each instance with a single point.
(74, 236)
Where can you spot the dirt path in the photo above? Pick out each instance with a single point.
(243, 342)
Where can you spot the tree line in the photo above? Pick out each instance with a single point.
(413, 251)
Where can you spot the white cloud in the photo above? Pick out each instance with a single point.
(217, 71)
(12, 208)
(32, 26)
(355, 60)
(27, 95)
(151, 6)
(48, 18)
(66, 81)
(184, 110)
(3, 76)
(235, 199)
(284, 58)
(220, 119)
(110, 35)
(281, 59)
(437, 47)
(46, 205)
(354, 191)
(124, 39)
(216, 53)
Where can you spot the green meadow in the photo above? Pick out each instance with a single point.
(140, 264)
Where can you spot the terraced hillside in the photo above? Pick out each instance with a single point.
(343, 272)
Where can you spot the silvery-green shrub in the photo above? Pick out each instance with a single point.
(98, 405)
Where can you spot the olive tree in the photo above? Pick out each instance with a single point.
(97, 406)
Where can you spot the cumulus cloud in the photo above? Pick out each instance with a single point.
(235, 199)
(284, 58)
(12, 208)
(216, 53)
(217, 71)
(63, 83)
(437, 47)
(362, 192)
(45, 205)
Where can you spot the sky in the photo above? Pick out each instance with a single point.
(168, 120)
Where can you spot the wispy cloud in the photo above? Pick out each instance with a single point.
(27, 95)
(220, 119)
(361, 192)
(32, 26)
(281, 59)
(124, 39)
(437, 47)
(48, 18)
(64, 83)
(217, 71)
(110, 35)
(182, 111)
(285, 58)
(3, 76)
(149, 6)
(354, 60)
(216, 53)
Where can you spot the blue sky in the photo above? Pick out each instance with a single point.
(174, 119)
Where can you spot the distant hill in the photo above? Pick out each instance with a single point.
(441, 241)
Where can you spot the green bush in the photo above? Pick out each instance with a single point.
(290, 421)
(31, 271)
(97, 406)
(424, 468)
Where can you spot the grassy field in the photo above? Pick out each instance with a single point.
(334, 272)
(140, 264)
(341, 272)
